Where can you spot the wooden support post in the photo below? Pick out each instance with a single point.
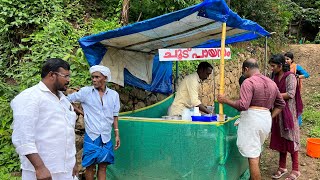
(221, 90)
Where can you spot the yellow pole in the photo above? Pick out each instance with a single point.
(221, 90)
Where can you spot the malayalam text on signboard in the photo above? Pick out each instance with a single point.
(192, 54)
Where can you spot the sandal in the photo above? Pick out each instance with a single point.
(280, 172)
(293, 175)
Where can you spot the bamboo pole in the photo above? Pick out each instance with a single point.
(221, 90)
(214, 85)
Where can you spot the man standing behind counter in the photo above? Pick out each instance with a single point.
(187, 95)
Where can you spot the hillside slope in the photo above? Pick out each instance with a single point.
(308, 56)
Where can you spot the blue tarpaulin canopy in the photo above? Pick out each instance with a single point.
(131, 51)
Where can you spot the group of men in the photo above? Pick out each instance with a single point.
(44, 124)
(44, 119)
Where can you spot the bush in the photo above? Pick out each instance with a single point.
(317, 39)
(31, 32)
(311, 116)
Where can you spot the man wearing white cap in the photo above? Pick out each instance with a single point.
(101, 106)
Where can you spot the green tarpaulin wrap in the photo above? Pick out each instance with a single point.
(152, 148)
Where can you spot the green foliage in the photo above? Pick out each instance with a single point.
(185, 67)
(146, 9)
(311, 16)
(19, 14)
(104, 9)
(31, 32)
(100, 25)
(317, 39)
(17, 20)
(56, 40)
(79, 67)
(305, 13)
(271, 14)
(5, 175)
(308, 3)
(277, 16)
(311, 115)
(8, 157)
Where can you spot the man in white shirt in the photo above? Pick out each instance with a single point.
(101, 107)
(43, 126)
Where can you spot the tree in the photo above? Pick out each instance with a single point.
(125, 12)
(308, 3)
(273, 15)
(145, 9)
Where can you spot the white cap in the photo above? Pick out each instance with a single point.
(103, 69)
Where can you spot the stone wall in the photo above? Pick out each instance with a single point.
(209, 89)
(132, 98)
(233, 70)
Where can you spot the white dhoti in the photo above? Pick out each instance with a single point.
(253, 129)
(30, 175)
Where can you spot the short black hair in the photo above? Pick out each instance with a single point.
(53, 64)
(249, 64)
(241, 79)
(279, 59)
(289, 55)
(204, 65)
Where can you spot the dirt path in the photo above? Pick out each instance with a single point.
(308, 56)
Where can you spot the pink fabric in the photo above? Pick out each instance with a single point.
(295, 161)
(259, 90)
(286, 113)
(283, 160)
(283, 137)
(277, 142)
(299, 102)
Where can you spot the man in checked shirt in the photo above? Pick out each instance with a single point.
(258, 95)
